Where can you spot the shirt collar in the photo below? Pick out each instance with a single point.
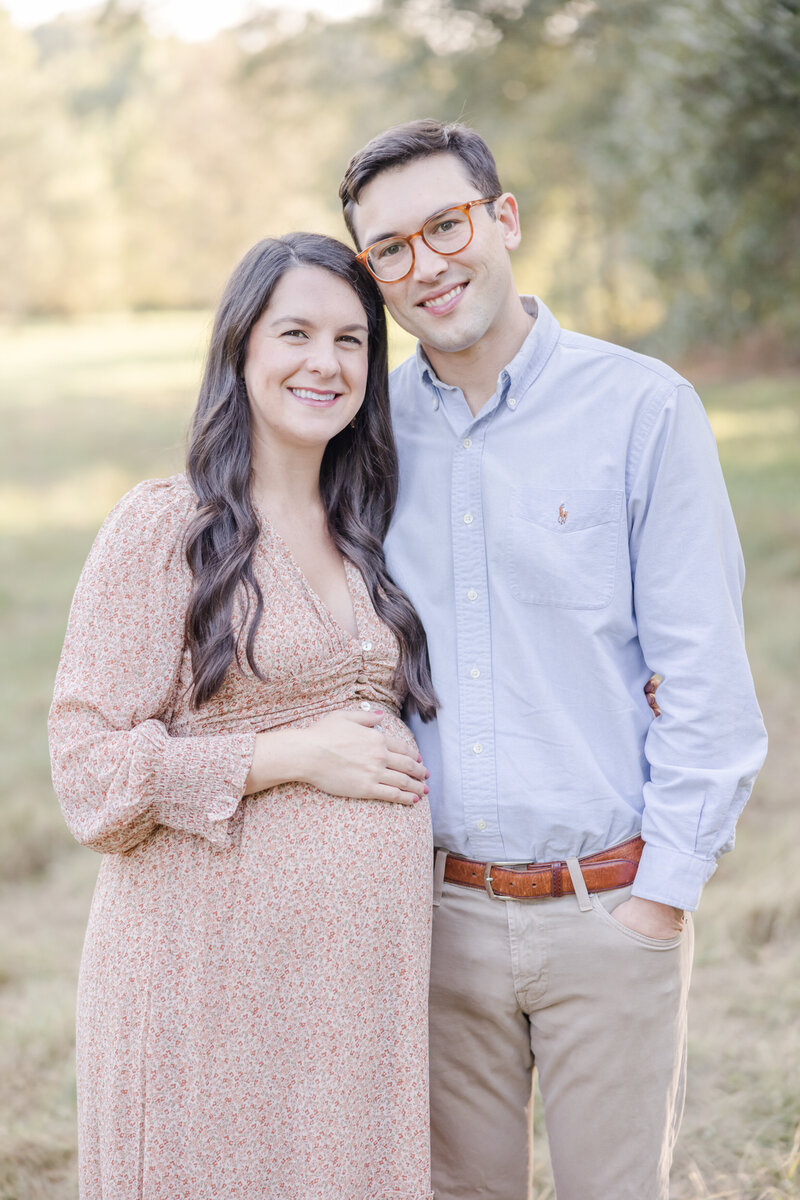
(516, 378)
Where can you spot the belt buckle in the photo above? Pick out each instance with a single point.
(487, 883)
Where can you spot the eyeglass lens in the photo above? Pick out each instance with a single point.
(447, 232)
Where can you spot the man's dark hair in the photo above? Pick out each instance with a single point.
(417, 139)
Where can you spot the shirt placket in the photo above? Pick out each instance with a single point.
(473, 638)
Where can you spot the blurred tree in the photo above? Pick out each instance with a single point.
(666, 137)
(695, 160)
(49, 183)
(654, 148)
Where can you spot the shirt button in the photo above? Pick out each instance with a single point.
(365, 704)
(475, 673)
(366, 645)
(480, 824)
(512, 403)
(472, 594)
(468, 518)
(477, 748)
(467, 442)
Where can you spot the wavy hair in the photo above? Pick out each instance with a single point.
(358, 479)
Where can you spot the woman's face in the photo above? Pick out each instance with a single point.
(306, 364)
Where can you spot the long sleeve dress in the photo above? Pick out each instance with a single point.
(252, 1011)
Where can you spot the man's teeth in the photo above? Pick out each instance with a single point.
(445, 299)
(305, 394)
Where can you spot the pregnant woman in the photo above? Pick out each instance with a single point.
(226, 731)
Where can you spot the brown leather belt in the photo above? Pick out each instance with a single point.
(612, 868)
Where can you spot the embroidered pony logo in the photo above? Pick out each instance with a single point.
(562, 515)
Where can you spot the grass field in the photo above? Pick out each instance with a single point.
(87, 410)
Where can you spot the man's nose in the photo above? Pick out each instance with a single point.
(428, 265)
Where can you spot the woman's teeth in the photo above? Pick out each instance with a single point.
(305, 394)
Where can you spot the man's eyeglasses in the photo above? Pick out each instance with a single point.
(446, 232)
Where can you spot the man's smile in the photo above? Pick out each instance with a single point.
(443, 302)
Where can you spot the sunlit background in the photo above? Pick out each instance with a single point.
(189, 20)
(654, 148)
(655, 151)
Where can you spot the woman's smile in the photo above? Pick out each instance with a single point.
(314, 397)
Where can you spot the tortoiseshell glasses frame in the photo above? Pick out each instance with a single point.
(385, 258)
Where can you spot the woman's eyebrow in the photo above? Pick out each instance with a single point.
(294, 320)
(308, 321)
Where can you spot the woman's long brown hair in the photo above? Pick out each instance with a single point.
(358, 479)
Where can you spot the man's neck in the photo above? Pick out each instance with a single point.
(475, 369)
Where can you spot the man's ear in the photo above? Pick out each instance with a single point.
(506, 212)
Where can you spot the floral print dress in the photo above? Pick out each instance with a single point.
(252, 1015)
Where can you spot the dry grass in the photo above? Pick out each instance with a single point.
(88, 409)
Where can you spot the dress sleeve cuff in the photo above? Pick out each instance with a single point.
(671, 876)
(198, 782)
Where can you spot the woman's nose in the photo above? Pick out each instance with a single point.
(322, 358)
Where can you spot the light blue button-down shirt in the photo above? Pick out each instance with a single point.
(561, 546)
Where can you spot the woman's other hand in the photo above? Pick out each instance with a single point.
(346, 753)
(650, 689)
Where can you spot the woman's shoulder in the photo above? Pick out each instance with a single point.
(169, 501)
(150, 519)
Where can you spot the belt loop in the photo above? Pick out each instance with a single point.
(579, 884)
(439, 863)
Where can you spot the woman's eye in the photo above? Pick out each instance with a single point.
(294, 333)
(348, 337)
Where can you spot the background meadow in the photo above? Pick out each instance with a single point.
(656, 153)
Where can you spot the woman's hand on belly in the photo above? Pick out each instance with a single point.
(345, 753)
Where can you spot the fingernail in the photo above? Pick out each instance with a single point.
(427, 773)
(417, 799)
(419, 758)
(427, 789)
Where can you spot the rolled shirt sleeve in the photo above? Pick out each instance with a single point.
(117, 770)
(706, 748)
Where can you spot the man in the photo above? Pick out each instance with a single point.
(563, 530)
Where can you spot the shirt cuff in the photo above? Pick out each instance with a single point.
(671, 876)
(201, 781)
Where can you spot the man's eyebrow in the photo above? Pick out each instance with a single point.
(392, 233)
(288, 319)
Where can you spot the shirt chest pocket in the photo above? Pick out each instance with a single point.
(561, 547)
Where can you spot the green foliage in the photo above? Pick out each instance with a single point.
(703, 142)
(666, 135)
(655, 150)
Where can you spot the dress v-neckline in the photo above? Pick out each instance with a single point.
(313, 593)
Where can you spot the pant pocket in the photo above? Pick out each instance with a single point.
(649, 943)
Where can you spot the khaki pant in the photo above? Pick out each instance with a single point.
(600, 1010)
